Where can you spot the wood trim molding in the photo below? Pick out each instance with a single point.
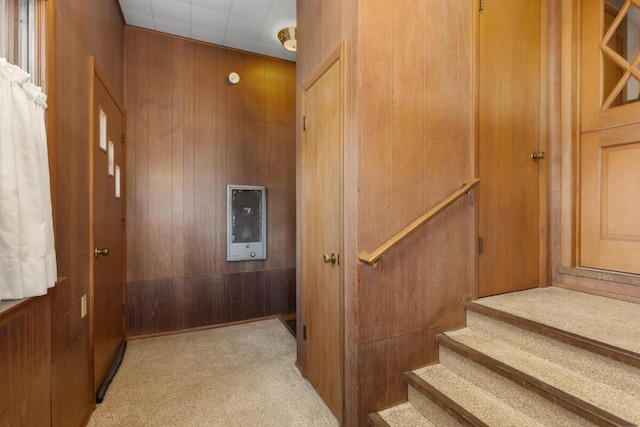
(201, 328)
(606, 283)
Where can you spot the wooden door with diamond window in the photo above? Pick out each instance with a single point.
(609, 155)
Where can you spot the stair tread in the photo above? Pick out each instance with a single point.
(604, 396)
(617, 374)
(482, 404)
(403, 415)
(617, 323)
(523, 399)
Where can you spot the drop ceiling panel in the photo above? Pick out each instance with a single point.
(250, 25)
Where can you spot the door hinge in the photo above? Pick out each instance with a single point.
(481, 5)
(304, 332)
(304, 122)
(123, 139)
(480, 244)
(122, 223)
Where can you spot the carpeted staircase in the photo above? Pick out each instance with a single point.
(542, 357)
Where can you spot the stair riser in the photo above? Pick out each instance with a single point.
(431, 410)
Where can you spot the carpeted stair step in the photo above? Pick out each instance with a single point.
(468, 403)
(403, 415)
(596, 401)
(522, 399)
(600, 368)
(601, 325)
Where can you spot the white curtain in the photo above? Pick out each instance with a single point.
(27, 252)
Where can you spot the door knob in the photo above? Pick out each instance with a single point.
(102, 251)
(333, 258)
(537, 156)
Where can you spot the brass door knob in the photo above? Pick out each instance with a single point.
(101, 251)
(537, 156)
(333, 258)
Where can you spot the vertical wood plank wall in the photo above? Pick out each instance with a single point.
(416, 147)
(189, 134)
(83, 29)
(25, 352)
(409, 143)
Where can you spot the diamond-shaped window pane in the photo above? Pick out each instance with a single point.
(625, 44)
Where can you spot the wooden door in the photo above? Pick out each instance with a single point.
(321, 231)
(609, 159)
(509, 117)
(107, 198)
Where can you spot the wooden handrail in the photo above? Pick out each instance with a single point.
(375, 256)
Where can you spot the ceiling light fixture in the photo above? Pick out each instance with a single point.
(287, 37)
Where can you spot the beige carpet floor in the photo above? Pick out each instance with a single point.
(241, 375)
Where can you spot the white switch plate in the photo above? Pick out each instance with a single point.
(83, 305)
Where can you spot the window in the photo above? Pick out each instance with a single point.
(22, 35)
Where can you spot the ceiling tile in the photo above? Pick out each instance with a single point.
(274, 50)
(285, 6)
(207, 36)
(250, 25)
(208, 19)
(139, 20)
(239, 43)
(170, 10)
(137, 6)
(222, 6)
(243, 28)
(173, 27)
(252, 10)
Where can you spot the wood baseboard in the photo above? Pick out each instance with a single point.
(201, 328)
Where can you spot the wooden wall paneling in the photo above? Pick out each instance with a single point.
(235, 284)
(188, 159)
(280, 292)
(253, 295)
(409, 160)
(130, 98)
(107, 31)
(160, 106)
(554, 136)
(71, 395)
(236, 134)
(375, 143)
(568, 134)
(138, 166)
(208, 301)
(416, 136)
(25, 391)
(224, 90)
(177, 158)
(308, 54)
(221, 134)
(207, 209)
(351, 191)
(79, 34)
(331, 13)
(407, 116)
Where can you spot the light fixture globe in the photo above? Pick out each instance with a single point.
(287, 37)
